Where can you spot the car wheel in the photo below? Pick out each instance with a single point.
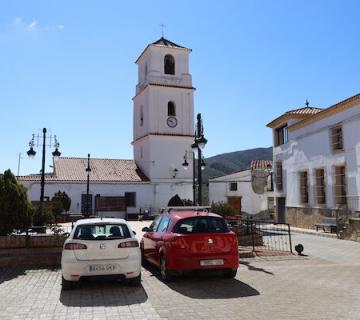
(230, 274)
(166, 275)
(67, 285)
(135, 282)
(143, 259)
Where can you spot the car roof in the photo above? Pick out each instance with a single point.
(189, 214)
(100, 220)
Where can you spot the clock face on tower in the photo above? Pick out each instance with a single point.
(171, 122)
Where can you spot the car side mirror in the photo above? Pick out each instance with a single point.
(146, 229)
(134, 232)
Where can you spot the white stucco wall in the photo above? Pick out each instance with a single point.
(309, 148)
(219, 190)
(148, 195)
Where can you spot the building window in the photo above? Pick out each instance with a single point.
(337, 139)
(304, 191)
(146, 70)
(233, 186)
(171, 109)
(320, 186)
(281, 135)
(279, 176)
(340, 185)
(169, 64)
(141, 116)
(130, 199)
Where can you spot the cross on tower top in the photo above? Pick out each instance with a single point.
(162, 26)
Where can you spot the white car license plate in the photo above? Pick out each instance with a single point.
(212, 262)
(102, 267)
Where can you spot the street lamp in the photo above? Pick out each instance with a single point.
(88, 170)
(31, 153)
(198, 145)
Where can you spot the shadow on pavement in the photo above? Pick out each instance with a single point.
(102, 293)
(7, 274)
(208, 285)
(211, 287)
(252, 268)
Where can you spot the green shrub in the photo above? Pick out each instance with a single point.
(222, 208)
(15, 209)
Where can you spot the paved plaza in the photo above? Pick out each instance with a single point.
(325, 284)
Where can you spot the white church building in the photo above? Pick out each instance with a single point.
(163, 124)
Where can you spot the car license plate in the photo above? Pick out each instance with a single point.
(212, 262)
(102, 267)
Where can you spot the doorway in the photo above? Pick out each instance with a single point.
(235, 202)
(280, 204)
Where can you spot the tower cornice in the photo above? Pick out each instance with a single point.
(163, 135)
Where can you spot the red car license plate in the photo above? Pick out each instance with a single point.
(212, 262)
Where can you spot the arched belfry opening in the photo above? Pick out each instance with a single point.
(171, 109)
(169, 64)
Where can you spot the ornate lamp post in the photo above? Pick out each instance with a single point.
(31, 153)
(88, 170)
(198, 145)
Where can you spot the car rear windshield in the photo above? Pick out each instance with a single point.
(104, 231)
(201, 225)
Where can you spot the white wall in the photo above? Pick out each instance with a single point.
(219, 190)
(148, 195)
(309, 148)
(144, 192)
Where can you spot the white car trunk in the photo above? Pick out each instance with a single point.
(102, 250)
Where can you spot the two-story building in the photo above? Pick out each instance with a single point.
(316, 157)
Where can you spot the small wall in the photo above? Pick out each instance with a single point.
(39, 251)
(306, 217)
(352, 232)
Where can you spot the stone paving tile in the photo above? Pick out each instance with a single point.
(323, 285)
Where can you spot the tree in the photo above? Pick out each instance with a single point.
(175, 201)
(60, 202)
(15, 209)
(222, 208)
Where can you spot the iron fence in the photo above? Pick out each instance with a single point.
(263, 235)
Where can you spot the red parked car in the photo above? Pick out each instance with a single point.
(178, 242)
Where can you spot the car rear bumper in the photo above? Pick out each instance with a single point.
(189, 263)
(73, 269)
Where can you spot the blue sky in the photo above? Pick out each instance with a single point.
(69, 66)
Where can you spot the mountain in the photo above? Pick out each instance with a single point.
(226, 163)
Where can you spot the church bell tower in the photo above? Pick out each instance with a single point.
(163, 112)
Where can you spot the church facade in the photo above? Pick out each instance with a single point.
(163, 126)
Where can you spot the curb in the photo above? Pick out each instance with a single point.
(318, 234)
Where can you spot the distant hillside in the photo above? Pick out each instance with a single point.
(234, 161)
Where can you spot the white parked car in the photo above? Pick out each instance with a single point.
(101, 247)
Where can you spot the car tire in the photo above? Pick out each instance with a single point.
(135, 282)
(230, 274)
(165, 274)
(67, 285)
(144, 262)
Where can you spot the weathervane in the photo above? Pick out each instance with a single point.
(307, 102)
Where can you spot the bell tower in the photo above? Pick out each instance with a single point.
(163, 118)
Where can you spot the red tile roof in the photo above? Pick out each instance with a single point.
(300, 114)
(102, 170)
(260, 164)
(305, 110)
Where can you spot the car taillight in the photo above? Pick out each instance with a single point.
(75, 246)
(178, 242)
(128, 244)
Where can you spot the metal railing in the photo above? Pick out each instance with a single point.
(353, 203)
(263, 235)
